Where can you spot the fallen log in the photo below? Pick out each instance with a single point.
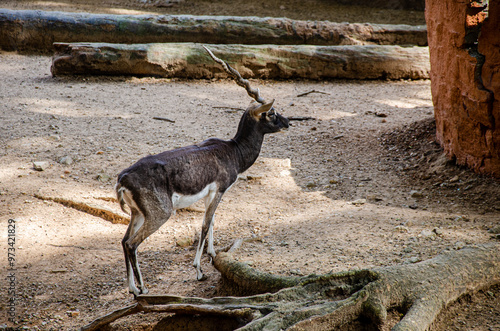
(36, 31)
(188, 60)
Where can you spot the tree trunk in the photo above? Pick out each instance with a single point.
(189, 60)
(464, 39)
(36, 31)
(328, 302)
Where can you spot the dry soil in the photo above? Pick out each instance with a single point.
(362, 184)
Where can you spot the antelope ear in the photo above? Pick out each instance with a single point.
(255, 112)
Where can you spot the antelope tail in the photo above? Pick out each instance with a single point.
(119, 196)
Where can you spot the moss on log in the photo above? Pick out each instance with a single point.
(188, 60)
(36, 31)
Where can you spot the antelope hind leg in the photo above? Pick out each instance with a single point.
(211, 202)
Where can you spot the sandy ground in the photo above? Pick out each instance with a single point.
(361, 185)
(335, 193)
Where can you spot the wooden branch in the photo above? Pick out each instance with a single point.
(67, 246)
(234, 109)
(92, 209)
(107, 199)
(36, 31)
(163, 119)
(301, 118)
(187, 60)
(85, 248)
(309, 92)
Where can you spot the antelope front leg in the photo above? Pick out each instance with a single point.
(210, 247)
(211, 202)
(197, 259)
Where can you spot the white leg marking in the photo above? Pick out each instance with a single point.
(141, 282)
(208, 200)
(138, 222)
(197, 260)
(210, 247)
(131, 283)
(137, 225)
(129, 200)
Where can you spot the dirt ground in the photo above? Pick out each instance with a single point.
(361, 185)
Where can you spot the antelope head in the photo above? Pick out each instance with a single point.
(262, 112)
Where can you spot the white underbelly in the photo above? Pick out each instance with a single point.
(180, 201)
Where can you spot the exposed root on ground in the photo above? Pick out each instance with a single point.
(320, 302)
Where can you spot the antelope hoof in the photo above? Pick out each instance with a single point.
(200, 276)
(212, 253)
(136, 292)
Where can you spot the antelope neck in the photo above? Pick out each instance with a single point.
(248, 144)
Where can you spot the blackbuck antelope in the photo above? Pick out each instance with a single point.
(157, 185)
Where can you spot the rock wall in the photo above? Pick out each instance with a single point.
(464, 46)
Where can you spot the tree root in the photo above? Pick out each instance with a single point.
(330, 301)
(92, 209)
